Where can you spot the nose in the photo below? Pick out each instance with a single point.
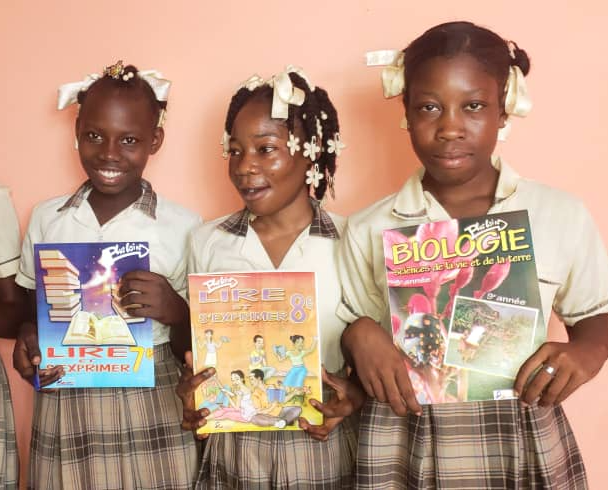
(451, 125)
(110, 151)
(247, 164)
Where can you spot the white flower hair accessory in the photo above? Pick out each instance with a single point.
(311, 149)
(253, 82)
(335, 145)
(293, 144)
(319, 129)
(393, 75)
(314, 176)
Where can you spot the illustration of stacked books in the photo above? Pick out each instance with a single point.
(60, 285)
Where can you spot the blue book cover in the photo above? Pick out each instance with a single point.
(81, 324)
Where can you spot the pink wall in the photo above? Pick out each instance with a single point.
(206, 48)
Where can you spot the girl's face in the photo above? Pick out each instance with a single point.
(236, 379)
(116, 134)
(299, 343)
(454, 112)
(259, 343)
(261, 167)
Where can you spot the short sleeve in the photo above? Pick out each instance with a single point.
(26, 275)
(585, 291)
(9, 238)
(181, 274)
(360, 293)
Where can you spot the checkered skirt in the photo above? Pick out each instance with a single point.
(114, 438)
(478, 445)
(9, 462)
(279, 460)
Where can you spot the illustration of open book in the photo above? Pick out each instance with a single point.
(88, 329)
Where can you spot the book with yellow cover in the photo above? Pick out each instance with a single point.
(259, 331)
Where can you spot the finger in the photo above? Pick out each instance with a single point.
(337, 383)
(22, 362)
(554, 388)
(144, 311)
(530, 366)
(133, 286)
(535, 387)
(318, 432)
(188, 358)
(407, 391)
(378, 390)
(48, 376)
(393, 394)
(330, 410)
(32, 348)
(138, 275)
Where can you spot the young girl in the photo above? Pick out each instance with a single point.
(11, 314)
(115, 438)
(282, 137)
(460, 82)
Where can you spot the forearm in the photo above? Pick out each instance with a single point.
(180, 336)
(12, 307)
(593, 333)
(352, 336)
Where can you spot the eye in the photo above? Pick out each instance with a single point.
(267, 148)
(234, 152)
(93, 136)
(129, 140)
(429, 108)
(475, 106)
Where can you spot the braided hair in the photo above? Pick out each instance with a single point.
(127, 82)
(317, 112)
(454, 38)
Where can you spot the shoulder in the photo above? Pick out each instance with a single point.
(203, 232)
(49, 209)
(377, 212)
(176, 214)
(546, 201)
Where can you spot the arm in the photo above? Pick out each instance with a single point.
(12, 307)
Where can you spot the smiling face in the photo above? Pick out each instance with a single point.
(261, 167)
(116, 134)
(454, 112)
(259, 343)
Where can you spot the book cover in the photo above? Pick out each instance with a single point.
(81, 324)
(465, 304)
(259, 331)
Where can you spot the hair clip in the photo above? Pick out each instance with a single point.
(162, 118)
(324, 115)
(311, 149)
(335, 145)
(293, 144)
(314, 176)
(114, 71)
(331, 182)
(225, 144)
(127, 76)
(319, 128)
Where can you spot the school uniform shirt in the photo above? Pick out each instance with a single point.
(114, 438)
(9, 237)
(151, 218)
(9, 261)
(279, 459)
(485, 444)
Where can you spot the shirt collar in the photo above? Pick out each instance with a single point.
(321, 225)
(146, 203)
(411, 201)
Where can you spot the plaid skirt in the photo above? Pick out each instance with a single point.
(114, 438)
(9, 462)
(280, 460)
(478, 445)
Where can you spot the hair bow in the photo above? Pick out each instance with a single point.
(393, 76)
(517, 99)
(283, 94)
(68, 92)
(253, 82)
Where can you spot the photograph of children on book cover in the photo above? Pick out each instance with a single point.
(465, 305)
(259, 331)
(81, 324)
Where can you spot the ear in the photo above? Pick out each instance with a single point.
(503, 119)
(157, 141)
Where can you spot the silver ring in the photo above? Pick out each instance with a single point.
(550, 370)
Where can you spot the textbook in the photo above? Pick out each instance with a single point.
(465, 304)
(259, 331)
(81, 324)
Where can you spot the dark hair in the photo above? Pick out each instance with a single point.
(258, 373)
(454, 38)
(293, 338)
(315, 102)
(239, 373)
(256, 337)
(209, 331)
(133, 84)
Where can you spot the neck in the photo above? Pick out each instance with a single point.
(106, 206)
(290, 220)
(470, 198)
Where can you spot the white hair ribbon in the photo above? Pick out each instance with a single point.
(283, 94)
(393, 76)
(517, 99)
(253, 82)
(299, 71)
(68, 93)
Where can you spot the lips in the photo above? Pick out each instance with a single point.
(253, 193)
(109, 176)
(452, 159)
